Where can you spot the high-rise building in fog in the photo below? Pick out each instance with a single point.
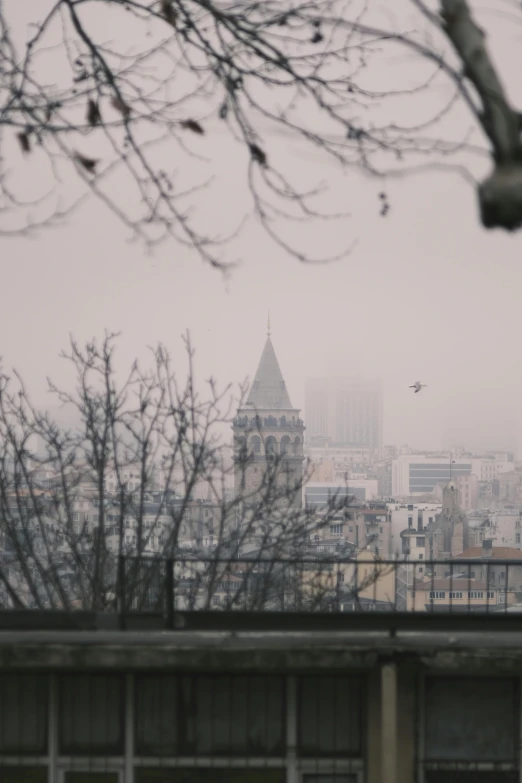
(344, 410)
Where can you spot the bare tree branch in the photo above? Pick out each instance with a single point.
(124, 484)
(90, 114)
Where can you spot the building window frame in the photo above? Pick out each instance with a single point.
(297, 767)
(424, 766)
(88, 767)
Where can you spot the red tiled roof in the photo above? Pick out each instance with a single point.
(497, 553)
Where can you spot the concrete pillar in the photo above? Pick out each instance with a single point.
(406, 729)
(373, 727)
(389, 732)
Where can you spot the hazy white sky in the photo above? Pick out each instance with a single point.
(425, 295)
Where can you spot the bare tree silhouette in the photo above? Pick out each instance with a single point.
(116, 92)
(142, 483)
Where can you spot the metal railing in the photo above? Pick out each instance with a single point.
(354, 586)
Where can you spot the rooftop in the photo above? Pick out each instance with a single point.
(495, 553)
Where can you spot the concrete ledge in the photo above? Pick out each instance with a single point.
(391, 623)
(225, 650)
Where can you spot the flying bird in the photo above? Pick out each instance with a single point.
(417, 386)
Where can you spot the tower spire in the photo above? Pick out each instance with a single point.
(268, 390)
(268, 328)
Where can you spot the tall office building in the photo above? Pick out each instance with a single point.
(344, 410)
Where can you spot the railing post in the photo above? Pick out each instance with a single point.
(169, 589)
(122, 590)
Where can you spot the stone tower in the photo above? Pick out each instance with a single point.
(448, 534)
(270, 431)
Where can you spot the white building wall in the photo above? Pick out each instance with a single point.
(401, 470)
(505, 529)
(485, 469)
(400, 514)
(488, 469)
(370, 487)
(348, 454)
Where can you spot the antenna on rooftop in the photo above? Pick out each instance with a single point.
(268, 328)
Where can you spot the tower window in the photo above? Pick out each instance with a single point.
(270, 445)
(285, 445)
(241, 447)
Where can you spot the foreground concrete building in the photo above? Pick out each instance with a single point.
(244, 697)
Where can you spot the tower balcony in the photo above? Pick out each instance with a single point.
(253, 423)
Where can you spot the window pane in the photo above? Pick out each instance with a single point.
(91, 714)
(156, 722)
(23, 774)
(143, 775)
(23, 714)
(223, 715)
(471, 719)
(330, 716)
(237, 715)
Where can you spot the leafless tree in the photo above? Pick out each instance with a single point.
(124, 95)
(97, 514)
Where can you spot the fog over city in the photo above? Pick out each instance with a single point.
(425, 293)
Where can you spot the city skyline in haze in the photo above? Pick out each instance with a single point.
(475, 440)
(425, 294)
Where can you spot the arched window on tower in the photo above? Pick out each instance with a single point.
(241, 448)
(255, 444)
(297, 445)
(270, 446)
(286, 447)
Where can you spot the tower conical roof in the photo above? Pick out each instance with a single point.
(268, 390)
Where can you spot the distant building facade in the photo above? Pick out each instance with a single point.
(371, 529)
(468, 489)
(503, 527)
(344, 410)
(321, 494)
(419, 474)
(411, 517)
(507, 487)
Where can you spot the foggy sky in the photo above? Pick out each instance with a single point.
(425, 295)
